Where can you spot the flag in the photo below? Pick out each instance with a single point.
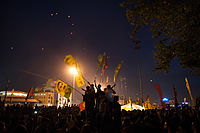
(72, 62)
(100, 60)
(105, 64)
(188, 87)
(30, 93)
(79, 78)
(147, 103)
(160, 94)
(130, 101)
(107, 80)
(82, 106)
(11, 98)
(64, 89)
(117, 70)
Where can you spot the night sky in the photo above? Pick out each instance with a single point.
(36, 35)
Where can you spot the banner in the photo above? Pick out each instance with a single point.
(160, 94)
(63, 89)
(117, 70)
(71, 61)
(188, 87)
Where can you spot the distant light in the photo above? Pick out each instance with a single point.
(51, 14)
(68, 16)
(165, 99)
(14, 94)
(184, 102)
(56, 13)
(35, 112)
(11, 48)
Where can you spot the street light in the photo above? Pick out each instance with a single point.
(73, 71)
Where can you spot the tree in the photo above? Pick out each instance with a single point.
(175, 25)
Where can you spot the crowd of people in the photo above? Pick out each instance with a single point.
(102, 114)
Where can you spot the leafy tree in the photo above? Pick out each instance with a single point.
(175, 25)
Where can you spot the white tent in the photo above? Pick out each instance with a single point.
(128, 107)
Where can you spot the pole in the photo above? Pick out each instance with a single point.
(140, 78)
(137, 47)
(73, 94)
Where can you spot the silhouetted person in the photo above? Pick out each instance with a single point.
(109, 92)
(89, 100)
(99, 97)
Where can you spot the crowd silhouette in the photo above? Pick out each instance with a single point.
(102, 114)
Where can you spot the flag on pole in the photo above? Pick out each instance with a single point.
(100, 60)
(107, 80)
(63, 89)
(11, 98)
(130, 101)
(72, 62)
(147, 103)
(117, 70)
(160, 94)
(79, 78)
(30, 93)
(105, 64)
(188, 87)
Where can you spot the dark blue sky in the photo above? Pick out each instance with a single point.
(41, 41)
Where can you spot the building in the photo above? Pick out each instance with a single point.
(48, 96)
(61, 101)
(17, 97)
(45, 97)
(46, 93)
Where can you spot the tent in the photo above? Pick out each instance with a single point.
(128, 107)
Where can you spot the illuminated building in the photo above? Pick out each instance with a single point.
(48, 96)
(61, 101)
(18, 97)
(45, 98)
(45, 93)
